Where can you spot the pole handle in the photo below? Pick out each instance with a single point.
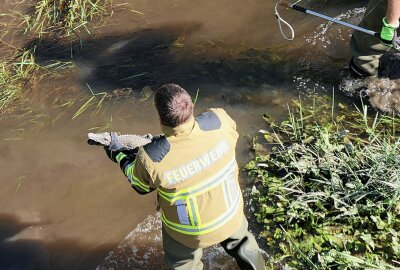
(292, 6)
(285, 3)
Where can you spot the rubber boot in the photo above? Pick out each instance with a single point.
(246, 257)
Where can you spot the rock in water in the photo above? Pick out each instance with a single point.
(389, 66)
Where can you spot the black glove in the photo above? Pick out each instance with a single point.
(129, 154)
(112, 154)
(114, 148)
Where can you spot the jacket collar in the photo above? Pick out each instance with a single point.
(182, 130)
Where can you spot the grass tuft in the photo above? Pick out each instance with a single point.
(13, 76)
(65, 17)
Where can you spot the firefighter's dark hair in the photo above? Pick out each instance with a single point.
(174, 105)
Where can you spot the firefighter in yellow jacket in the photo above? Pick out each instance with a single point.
(193, 169)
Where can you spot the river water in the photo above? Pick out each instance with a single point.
(64, 205)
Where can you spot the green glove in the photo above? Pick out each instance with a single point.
(389, 33)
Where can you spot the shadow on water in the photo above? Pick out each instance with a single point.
(32, 254)
(157, 55)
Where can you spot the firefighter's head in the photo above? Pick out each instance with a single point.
(174, 105)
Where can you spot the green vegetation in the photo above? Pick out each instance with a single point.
(18, 68)
(328, 188)
(14, 75)
(65, 16)
(94, 102)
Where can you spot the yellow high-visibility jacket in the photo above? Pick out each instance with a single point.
(194, 170)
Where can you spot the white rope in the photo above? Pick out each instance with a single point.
(280, 21)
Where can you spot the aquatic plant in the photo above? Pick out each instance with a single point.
(327, 190)
(96, 101)
(13, 76)
(8, 91)
(60, 17)
(64, 16)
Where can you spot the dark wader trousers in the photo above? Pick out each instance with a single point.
(367, 49)
(242, 246)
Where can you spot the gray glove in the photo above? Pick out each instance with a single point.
(116, 147)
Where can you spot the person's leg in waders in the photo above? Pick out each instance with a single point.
(180, 257)
(243, 247)
(367, 49)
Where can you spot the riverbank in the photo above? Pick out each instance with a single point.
(327, 187)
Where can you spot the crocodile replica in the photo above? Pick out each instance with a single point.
(115, 141)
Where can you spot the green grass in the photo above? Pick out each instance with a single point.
(65, 17)
(328, 188)
(94, 102)
(8, 90)
(18, 70)
(23, 105)
(14, 75)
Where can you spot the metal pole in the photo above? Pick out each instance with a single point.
(322, 16)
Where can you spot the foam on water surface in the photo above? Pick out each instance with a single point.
(325, 50)
(382, 91)
(142, 249)
(324, 33)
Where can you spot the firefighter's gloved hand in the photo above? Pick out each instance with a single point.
(131, 154)
(114, 148)
(115, 145)
(112, 154)
(388, 35)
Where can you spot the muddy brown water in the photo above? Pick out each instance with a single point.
(64, 205)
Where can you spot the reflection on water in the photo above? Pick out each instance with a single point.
(64, 203)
